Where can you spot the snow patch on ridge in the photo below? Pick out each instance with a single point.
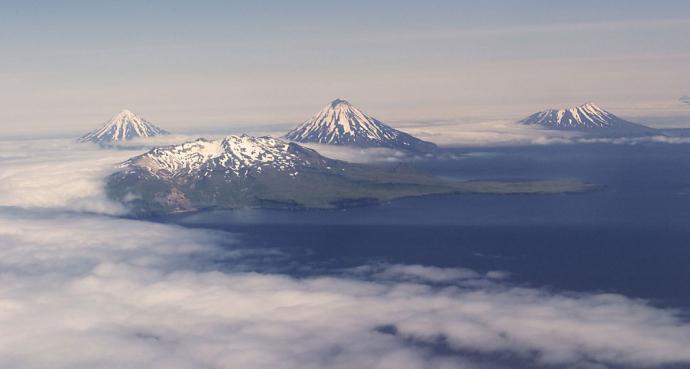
(233, 154)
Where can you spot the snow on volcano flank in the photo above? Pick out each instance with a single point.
(340, 123)
(123, 127)
(587, 117)
(233, 155)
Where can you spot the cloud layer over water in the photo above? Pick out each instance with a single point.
(86, 290)
(493, 133)
(57, 174)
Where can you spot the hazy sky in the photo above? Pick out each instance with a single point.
(67, 66)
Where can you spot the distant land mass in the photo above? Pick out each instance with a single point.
(588, 118)
(122, 127)
(264, 172)
(340, 123)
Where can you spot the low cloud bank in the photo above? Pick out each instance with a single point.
(488, 133)
(147, 143)
(497, 133)
(361, 155)
(88, 291)
(57, 174)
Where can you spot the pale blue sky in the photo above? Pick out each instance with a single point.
(67, 66)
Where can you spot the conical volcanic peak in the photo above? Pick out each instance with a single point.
(586, 117)
(122, 127)
(337, 102)
(340, 123)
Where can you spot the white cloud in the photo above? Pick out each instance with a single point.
(57, 174)
(637, 140)
(361, 155)
(141, 143)
(488, 133)
(498, 133)
(420, 273)
(86, 291)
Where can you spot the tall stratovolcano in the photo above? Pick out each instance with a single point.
(588, 117)
(340, 123)
(122, 127)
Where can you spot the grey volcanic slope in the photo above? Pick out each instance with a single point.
(340, 123)
(586, 118)
(122, 127)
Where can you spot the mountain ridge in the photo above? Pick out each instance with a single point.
(235, 154)
(340, 123)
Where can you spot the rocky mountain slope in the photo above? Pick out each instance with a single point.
(587, 118)
(122, 127)
(340, 123)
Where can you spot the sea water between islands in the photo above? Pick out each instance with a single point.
(631, 237)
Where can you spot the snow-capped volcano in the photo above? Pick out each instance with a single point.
(233, 156)
(123, 127)
(587, 117)
(244, 171)
(340, 123)
(264, 172)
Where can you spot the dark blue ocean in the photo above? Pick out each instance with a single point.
(631, 236)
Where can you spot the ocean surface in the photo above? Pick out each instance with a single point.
(631, 236)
